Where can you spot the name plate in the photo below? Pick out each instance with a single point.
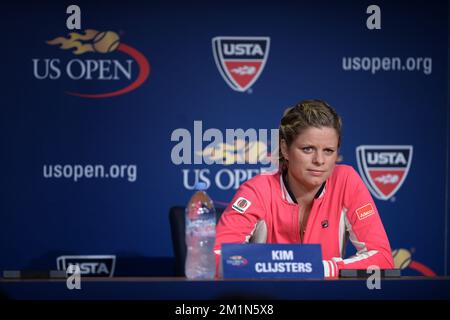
(248, 261)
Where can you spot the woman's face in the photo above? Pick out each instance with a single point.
(312, 156)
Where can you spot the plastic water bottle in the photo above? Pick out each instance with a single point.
(200, 235)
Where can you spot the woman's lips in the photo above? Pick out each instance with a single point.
(316, 173)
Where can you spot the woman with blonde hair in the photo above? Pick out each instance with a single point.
(311, 199)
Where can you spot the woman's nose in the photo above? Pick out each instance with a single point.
(318, 158)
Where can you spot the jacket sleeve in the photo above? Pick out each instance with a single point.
(366, 231)
(239, 219)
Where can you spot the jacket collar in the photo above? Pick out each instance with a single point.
(288, 195)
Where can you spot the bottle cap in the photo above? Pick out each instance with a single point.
(201, 186)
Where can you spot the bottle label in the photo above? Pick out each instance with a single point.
(202, 228)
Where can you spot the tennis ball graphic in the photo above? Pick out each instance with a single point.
(402, 258)
(106, 41)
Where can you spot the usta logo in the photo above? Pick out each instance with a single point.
(386, 158)
(240, 60)
(384, 167)
(90, 265)
(243, 49)
(92, 268)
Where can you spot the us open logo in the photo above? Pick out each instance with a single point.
(237, 261)
(240, 60)
(98, 59)
(384, 168)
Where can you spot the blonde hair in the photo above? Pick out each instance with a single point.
(305, 114)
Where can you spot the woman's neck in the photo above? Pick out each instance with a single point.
(302, 193)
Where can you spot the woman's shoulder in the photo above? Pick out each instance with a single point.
(344, 171)
(261, 185)
(263, 179)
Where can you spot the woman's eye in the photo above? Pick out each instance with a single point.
(329, 151)
(307, 149)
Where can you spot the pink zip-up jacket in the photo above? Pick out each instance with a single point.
(343, 209)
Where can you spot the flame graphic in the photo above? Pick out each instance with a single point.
(241, 151)
(73, 41)
(102, 42)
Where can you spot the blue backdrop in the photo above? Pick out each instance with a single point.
(97, 175)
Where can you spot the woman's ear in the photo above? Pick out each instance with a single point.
(284, 149)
